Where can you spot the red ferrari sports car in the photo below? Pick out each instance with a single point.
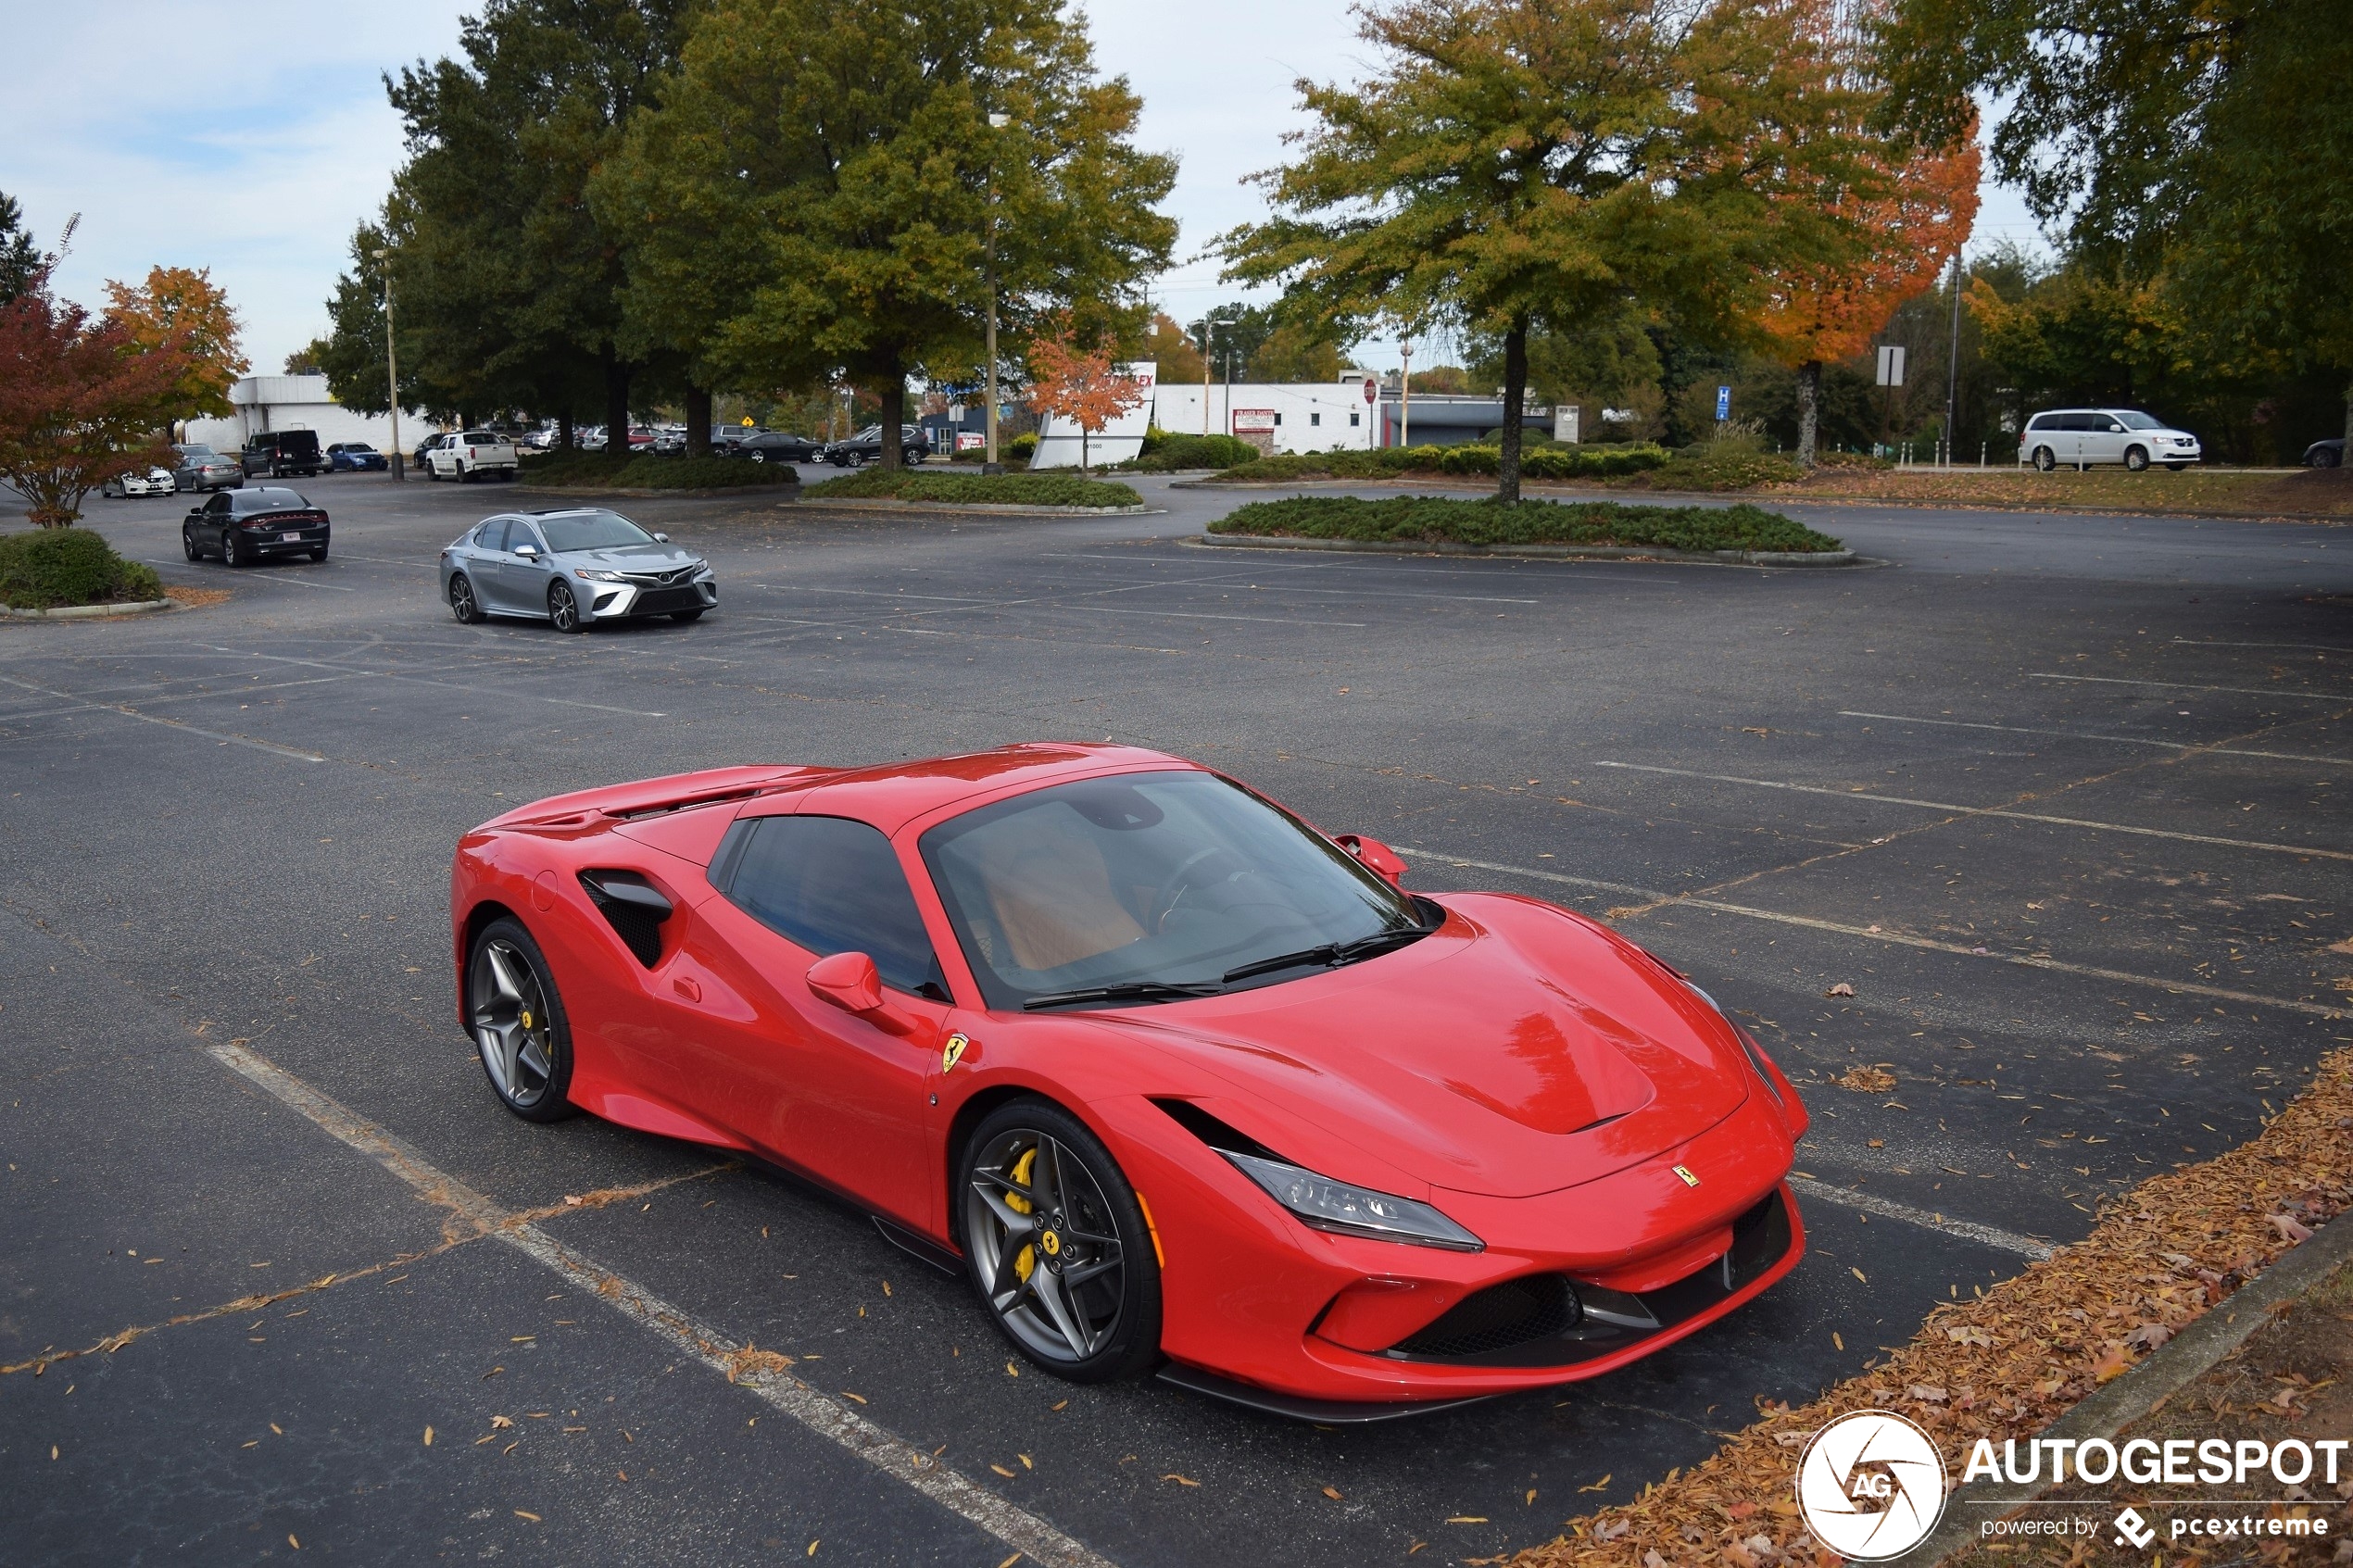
(1177, 1080)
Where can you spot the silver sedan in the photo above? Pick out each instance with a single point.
(571, 568)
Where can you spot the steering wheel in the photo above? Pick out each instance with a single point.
(1172, 887)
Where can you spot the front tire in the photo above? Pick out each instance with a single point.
(462, 602)
(2044, 459)
(518, 1022)
(2136, 458)
(188, 544)
(1057, 1245)
(563, 608)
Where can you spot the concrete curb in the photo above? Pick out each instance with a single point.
(591, 491)
(2188, 1356)
(1538, 552)
(89, 612)
(978, 508)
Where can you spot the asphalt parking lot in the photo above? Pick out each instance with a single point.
(2059, 797)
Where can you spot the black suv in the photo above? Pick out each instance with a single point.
(866, 447)
(278, 453)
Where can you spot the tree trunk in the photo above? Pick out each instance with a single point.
(1810, 409)
(2345, 458)
(892, 418)
(565, 439)
(698, 421)
(1515, 400)
(616, 406)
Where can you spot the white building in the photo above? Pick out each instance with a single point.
(1276, 416)
(266, 402)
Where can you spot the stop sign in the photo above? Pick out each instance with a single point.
(1371, 390)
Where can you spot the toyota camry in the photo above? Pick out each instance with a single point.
(1178, 1081)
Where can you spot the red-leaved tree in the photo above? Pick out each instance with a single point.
(1080, 385)
(81, 400)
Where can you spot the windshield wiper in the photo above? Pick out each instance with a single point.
(1331, 954)
(1127, 991)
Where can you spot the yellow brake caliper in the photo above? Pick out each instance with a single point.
(1020, 1205)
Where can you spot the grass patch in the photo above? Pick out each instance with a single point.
(56, 567)
(2193, 493)
(1538, 460)
(1000, 489)
(1441, 520)
(602, 470)
(2007, 1364)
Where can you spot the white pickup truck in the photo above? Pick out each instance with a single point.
(470, 454)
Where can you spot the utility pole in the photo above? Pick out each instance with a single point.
(996, 122)
(392, 373)
(1953, 366)
(1405, 395)
(1208, 349)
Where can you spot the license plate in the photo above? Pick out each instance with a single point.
(290, 538)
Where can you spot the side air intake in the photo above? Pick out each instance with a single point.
(633, 906)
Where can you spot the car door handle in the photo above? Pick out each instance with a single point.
(687, 988)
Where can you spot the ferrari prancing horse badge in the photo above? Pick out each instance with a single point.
(952, 1053)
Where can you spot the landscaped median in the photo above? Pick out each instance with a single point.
(624, 475)
(2005, 1365)
(72, 571)
(1022, 492)
(1742, 532)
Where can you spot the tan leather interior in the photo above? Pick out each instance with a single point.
(1049, 891)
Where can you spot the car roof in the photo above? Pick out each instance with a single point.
(259, 496)
(894, 794)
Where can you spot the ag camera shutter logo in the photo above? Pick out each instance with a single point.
(1871, 1486)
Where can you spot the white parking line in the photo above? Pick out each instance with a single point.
(1888, 1209)
(826, 1417)
(1894, 939)
(2218, 643)
(1990, 812)
(427, 681)
(2188, 686)
(2118, 740)
(1195, 615)
(175, 724)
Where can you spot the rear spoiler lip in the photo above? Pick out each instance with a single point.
(645, 798)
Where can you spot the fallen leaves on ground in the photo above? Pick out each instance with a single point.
(1866, 1080)
(1180, 1480)
(1840, 989)
(749, 1360)
(2010, 1362)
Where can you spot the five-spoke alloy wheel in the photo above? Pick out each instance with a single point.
(518, 1022)
(1057, 1244)
(462, 602)
(563, 610)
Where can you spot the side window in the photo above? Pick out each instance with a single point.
(833, 886)
(219, 504)
(520, 533)
(2042, 421)
(492, 535)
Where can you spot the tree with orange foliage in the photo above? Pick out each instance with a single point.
(1080, 385)
(1898, 225)
(178, 305)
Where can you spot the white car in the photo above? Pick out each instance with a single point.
(2080, 437)
(140, 482)
(470, 454)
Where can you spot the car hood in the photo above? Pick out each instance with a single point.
(630, 557)
(1517, 1050)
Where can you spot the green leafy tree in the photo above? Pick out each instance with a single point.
(19, 257)
(821, 196)
(1516, 164)
(2193, 143)
(81, 398)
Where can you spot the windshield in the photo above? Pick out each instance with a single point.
(1159, 879)
(591, 531)
(196, 452)
(2131, 419)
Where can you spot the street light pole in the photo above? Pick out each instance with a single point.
(1952, 367)
(996, 122)
(1405, 394)
(1208, 350)
(392, 373)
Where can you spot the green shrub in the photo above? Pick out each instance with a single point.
(1021, 448)
(50, 568)
(1723, 467)
(1172, 452)
(1545, 462)
(1003, 489)
(1428, 519)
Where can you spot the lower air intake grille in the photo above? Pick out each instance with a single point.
(1534, 1307)
(664, 601)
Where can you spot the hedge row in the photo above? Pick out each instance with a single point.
(1545, 462)
(595, 470)
(1004, 489)
(1165, 453)
(52, 567)
(1433, 519)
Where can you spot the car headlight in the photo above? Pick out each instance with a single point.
(1323, 1204)
(599, 576)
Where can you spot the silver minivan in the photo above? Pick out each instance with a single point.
(2080, 437)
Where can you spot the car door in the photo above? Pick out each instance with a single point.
(218, 521)
(844, 1096)
(484, 549)
(523, 579)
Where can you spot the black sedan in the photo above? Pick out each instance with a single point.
(245, 526)
(2326, 453)
(778, 446)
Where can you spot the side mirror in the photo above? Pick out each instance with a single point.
(848, 981)
(1375, 856)
(661, 538)
(528, 552)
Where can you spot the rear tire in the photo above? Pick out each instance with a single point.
(462, 602)
(517, 1019)
(319, 554)
(2175, 468)
(229, 555)
(2044, 459)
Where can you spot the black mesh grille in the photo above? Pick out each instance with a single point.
(662, 601)
(639, 926)
(1534, 1307)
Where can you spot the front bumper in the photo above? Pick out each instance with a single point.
(1572, 1285)
(624, 601)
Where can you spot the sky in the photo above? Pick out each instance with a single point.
(260, 137)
